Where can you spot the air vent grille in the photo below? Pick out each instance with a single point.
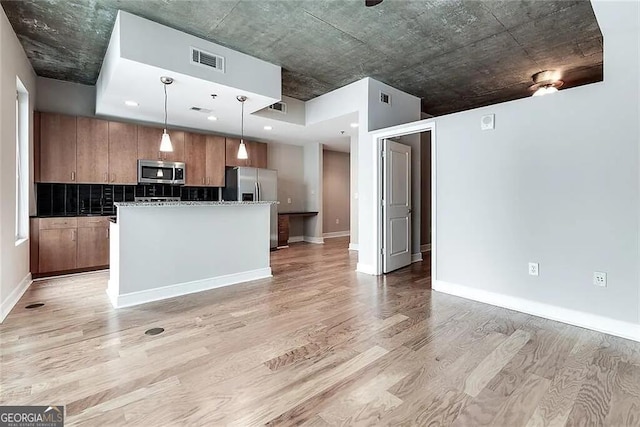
(280, 107)
(200, 110)
(207, 59)
(385, 98)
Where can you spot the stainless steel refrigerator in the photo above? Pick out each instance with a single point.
(253, 184)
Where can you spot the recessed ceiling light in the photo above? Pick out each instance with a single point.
(212, 118)
(354, 125)
(131, 103)
(268, 128)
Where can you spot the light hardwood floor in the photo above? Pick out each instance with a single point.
(318, 344)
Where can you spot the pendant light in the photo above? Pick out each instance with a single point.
(242, 149)
(545, 83)
(165, 142)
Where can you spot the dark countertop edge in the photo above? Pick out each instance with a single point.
(72, 216)
(299, 213)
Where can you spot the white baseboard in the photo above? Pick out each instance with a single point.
(15, 295)
(353, 246)
(316, 240)
(425, 248)
(565, 315)
(366, 269)
(296, 239)
(416, 257)
(171, 291)
(333, 234)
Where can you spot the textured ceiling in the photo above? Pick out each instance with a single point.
(453, 54)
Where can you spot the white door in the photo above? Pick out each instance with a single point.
(396, 206)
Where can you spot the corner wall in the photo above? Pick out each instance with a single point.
(556, 182)
(14, 260)
(336, 193)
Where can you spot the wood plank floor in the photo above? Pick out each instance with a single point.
(318, 344)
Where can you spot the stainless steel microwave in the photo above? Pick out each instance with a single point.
(159, 172)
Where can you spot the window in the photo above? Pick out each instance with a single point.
(22, 162)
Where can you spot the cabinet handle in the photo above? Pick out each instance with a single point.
(73, 235)
(107, 233)
(203, 180)
(73, 176)
(106, 177)
(208, 180)
(113, 177)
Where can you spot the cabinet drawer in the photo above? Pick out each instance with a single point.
(54, 223)
(93, 221)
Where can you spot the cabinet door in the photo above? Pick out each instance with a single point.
(231, 158)
(195, 146)
(92, 150)
(177, 140)
(93, 247)
(257, 154)
(149, 143)
(57, 249)
(57, 148)
(123, 153)
(216, 149)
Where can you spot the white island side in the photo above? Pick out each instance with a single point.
(167, 249)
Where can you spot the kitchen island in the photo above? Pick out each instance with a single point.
(166, 249)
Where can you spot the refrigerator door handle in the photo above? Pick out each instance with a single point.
(256, 192)
(259, 195)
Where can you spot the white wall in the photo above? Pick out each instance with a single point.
(404, 108)
(288, 160)
(353, 165)
(312, 155)
(557, 182)
(14, 260)
(58, 96)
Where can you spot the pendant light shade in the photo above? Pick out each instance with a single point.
(242, 149)
(165, 142)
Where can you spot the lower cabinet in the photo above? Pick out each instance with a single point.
(67, 244)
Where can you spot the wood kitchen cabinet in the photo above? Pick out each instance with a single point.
(257, 152)
(93, 242)
(149, 145)
(57, 148)
(123, 153)
(195, 153)
(205, 160)
(57, 244)
(216, 160)
(92, 151)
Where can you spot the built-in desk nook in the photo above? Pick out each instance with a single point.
(283, 225)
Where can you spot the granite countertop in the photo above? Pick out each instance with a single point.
(216, 203)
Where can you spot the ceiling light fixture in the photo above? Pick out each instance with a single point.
(242, 149)
(354, 125)
(131, 103)
(165, 142)
(545, 83)
(268, 128)
(212, 118)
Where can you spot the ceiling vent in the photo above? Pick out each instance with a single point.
(280, 107)
(200, 110)
(207, 59)
(385, 98)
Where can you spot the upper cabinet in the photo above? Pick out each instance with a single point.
(149, 145)
(57, 148)
(205, 160)
(123, 153)
(92, 151)
(257, 152)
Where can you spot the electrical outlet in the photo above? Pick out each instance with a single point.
(289, 200)
(534, 269)
(337, 220)
(600, 279)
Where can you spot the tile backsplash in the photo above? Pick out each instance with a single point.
(98, 199)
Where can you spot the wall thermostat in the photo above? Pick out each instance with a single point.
(488, 122)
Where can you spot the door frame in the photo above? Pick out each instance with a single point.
(396, 131)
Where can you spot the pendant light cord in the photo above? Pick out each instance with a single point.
(165, 107)
(242, 123)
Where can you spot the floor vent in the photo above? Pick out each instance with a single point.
(154, 331)
(280, 107)
(207, 59)
(36, 305)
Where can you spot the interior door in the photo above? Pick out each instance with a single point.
(396, 206)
